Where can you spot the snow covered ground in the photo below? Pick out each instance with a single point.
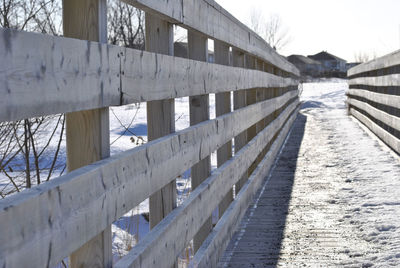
(364, 173)
(333, 198)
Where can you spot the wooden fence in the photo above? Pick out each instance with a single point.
(374, 97)
(72, 215)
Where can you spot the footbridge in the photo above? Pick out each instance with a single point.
(280, 183)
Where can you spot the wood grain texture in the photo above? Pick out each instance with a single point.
(69, 75)
(199, 110)
(223, 106)
(391, 59)
(388, 119)
(385, 99)
(388, 138)
(210, 19)
(88, 132)
(239, 101)
(160, 114)
(377, 81)
(112, 187)
(166, 241)
(215, 244)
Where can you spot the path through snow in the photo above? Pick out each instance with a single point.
(333, 198)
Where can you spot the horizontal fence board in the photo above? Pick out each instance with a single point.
(209, 18)
(216, 243)
(389, 139)
(377, 81)
(389, 60)
(68, 75)
(385, 99)
(388, 119)
(64, 75)
(165, 242)
(63, 219)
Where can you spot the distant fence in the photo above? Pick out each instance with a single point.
(374, 97)
(72, 215)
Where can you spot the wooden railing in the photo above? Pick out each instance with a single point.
(374, 97)
(71, 215)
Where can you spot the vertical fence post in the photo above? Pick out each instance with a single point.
(239, 101)
(251, 98)
(223, 106)
(199, 112)
(160, 114)
(88, 132)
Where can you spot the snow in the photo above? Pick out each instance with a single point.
(364, 174)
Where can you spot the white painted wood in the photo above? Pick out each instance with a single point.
(385, 99)
(209, 18)
(391, 59)
(166, 241)
(160, 114)
(216, 243)
(378, 81)
(388, 119)
(88, 132)
(68, 75)
(388, 138)
(63, 219)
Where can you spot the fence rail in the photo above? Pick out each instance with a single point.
(71, 215)
(374, 97)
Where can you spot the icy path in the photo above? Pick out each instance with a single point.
(333, 198)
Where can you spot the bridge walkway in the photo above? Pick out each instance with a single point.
(332, 199)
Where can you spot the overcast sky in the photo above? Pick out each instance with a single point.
(341, 27)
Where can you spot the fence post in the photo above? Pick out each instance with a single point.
(88, 132)
(251, 98)
(239, 101)
(223, 106)
(160, 114)
(199, 112)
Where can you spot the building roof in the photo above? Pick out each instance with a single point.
(301, 59)
(323, 55)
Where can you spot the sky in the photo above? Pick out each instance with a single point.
(341, 27)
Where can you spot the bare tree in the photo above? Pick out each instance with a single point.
(364, 56)
(29, 148)
(125, 25)
(271, 29)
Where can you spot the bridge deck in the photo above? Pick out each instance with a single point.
(333, 198)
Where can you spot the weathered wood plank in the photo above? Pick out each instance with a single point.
(385, 99)
(162, 245)
(391, 59)
(223, 106)
(215, 244)
(112, 187)
(239, 101)
(382, 116)
(88, 132)
(209, 18)
(388, 138)
(199, 110)
(377, 81)
(160, 114)
(68, 75)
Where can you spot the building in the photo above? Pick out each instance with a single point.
(307, 66)
(330, 63)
